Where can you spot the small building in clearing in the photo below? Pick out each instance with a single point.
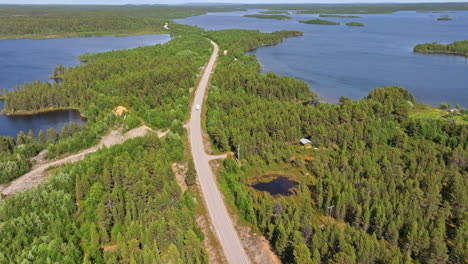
(306, 143)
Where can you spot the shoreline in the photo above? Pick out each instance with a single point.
(44, 111)
(82, 35)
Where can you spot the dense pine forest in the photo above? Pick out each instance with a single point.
(397, 184)
(378, 185)
(157, 95)
(120, 205)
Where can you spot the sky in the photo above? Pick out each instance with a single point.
(119, 2)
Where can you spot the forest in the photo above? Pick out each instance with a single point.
(380, 185)
(159, 96)
(319, 22)
(262, 16)
(119, 205)
(455, 48)
(397, 184)
(39, 22)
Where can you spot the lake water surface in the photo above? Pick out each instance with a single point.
(351, 61)
(11, 125)
(26, 60)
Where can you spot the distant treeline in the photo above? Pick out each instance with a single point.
(363, 8)
(66, 21)
(455, 48)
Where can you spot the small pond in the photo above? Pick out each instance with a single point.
(10, 125)
(279, 185)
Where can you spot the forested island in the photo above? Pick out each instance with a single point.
(262, 16)
(355, 24)
(274, 12)
(319, 22)
(456, 48)
(340, 16)
(444, 18)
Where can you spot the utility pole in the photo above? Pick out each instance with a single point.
(238, 153)
(330, 210)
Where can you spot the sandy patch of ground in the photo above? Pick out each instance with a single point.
(38, 175)
(179, 169)
(119, 110)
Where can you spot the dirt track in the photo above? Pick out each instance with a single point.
(38, 175)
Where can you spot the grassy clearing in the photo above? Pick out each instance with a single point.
(429, 112)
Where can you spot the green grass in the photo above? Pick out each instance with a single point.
(277, 17)
(355, 24)
(319, 22)
(423, 111)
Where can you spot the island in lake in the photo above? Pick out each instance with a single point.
(262, 16)
(455, 48)
(319, 22)
(355, 24)
(340, 16)
(444, 18)
(274, 12)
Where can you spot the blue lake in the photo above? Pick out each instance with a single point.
(351, 61)
(26, 60)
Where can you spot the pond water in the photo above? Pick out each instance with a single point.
(11, 125)
(279, 185)
(26, 60)
(351, 61)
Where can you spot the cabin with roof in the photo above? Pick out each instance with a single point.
(306, 143)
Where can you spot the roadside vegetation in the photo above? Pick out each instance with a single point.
(355, 24)
(277, 17)
(319, 22)
(372, 164)
(456, 48)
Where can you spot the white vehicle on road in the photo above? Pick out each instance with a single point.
(197, 107)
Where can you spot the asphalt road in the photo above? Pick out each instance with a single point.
(219, 217)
